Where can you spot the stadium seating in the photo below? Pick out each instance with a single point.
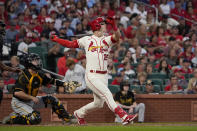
(157, 76)
(114, 88)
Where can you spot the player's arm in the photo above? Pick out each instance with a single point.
(23, 95)
(47, 80)
(20, 87)
(116, 35)
(65, 43)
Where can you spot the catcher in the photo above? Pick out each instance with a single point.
(25, 99)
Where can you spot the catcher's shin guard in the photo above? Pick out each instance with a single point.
(57, 107)
(30, 119)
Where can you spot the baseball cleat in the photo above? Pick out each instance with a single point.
(81, 121)
(129, 119)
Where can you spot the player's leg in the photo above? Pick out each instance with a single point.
(97, 103)
(140, 109)
(23, 113)
(98, 84)
(55, 104)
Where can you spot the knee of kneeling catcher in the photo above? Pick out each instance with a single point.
(34, 118)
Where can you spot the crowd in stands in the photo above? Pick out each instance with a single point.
(153, 55)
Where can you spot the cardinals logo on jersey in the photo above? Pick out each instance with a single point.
(95, 48)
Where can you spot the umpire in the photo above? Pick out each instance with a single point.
(25, 99)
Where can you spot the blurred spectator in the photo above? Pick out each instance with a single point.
(186, 68)
(194, 60)
(49, 30)
(187, 54)
(140, 68)
(24, 45)
(193, 38)
(126, 100)
(131, 8)
(11, 32)
(161, 36)
(137, 55)
(7, 78)
(164, 67)
(149, 88)
(117, 80)
(75, 72)
(61, 62)
(172, 57)
(181, 78)
(128, 70)
(69, 30)
(164, 8)
(15, 64)
(173, 86)
(141, 35)
(192, 86)
(53, 54)
(141, 78)
(149, 68)
(177, 10)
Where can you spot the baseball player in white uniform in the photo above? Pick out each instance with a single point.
(97, 49)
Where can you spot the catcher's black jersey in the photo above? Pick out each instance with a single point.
(30, 83)
(127, 99)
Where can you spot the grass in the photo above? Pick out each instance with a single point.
(137, 127)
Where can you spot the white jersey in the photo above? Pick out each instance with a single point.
(77, 74)
(97, 49)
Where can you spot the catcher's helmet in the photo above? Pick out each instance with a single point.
(27, 61)
(96, 24)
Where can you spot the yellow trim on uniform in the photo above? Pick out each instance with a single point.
(95, 47)
(31, 80)
(20, 108)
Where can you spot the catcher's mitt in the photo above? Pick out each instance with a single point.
(71, 86)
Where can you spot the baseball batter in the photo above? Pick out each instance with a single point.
(97, 49)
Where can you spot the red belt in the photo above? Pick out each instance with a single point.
(99, 72)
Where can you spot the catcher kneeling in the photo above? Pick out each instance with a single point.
(25, 99)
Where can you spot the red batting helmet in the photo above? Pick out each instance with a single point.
(96, 24)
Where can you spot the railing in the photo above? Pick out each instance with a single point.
(157, 12)
(147, 5)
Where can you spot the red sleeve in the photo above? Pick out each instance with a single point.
(67, 43)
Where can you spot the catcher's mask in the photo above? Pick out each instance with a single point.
(32, 61)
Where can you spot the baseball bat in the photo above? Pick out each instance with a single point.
(45, 70)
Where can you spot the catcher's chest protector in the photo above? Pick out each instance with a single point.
(35, 81)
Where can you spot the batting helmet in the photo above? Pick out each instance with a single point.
(96, 24)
